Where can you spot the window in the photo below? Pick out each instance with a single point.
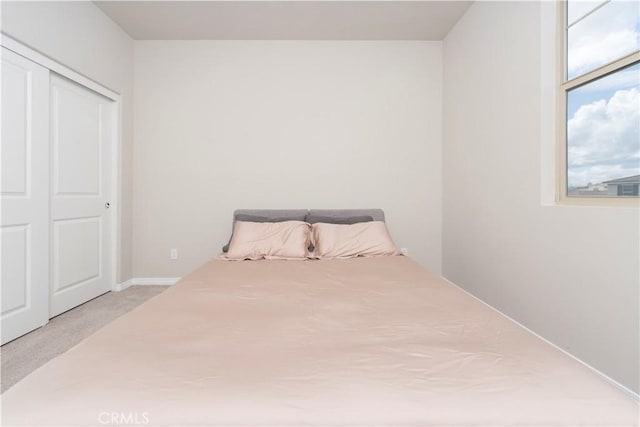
(600, 99)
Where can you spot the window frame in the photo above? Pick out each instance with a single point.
(563, 87)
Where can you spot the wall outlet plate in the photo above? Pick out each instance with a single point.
(174, 254)
(404, 251)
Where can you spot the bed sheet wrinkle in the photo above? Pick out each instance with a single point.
(364, 341)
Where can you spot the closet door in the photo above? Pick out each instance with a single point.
(82, 130)
(24, 185)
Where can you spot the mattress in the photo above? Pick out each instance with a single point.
(365, 341)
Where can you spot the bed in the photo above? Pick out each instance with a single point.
(360, 341)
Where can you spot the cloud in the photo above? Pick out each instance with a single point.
(604, 139)
(590, 52)
(608, 34)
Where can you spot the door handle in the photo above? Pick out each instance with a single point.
(107, 205)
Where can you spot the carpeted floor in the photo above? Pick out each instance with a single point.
(22, 356)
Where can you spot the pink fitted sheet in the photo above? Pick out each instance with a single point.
(365, 341)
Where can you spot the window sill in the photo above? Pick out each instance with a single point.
(600, 201)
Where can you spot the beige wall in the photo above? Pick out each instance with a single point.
(78, 35)
(568, 273)
(222, 125)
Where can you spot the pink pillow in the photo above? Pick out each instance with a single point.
(347, 241)
(269, 240)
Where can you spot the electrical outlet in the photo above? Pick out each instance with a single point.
(174, 254)
(404, 251)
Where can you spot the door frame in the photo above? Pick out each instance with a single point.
(116, 144)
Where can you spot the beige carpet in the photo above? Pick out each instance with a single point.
(22, 356)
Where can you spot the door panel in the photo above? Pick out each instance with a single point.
(15, 251)
(76, 141)
(77, 246)
(15, 97)
(24, 231)
(82, 134)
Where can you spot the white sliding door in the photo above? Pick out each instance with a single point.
(82, 135)
(24, 232)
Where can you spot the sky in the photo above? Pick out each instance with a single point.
(603, 127)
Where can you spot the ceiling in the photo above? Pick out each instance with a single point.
(285, 20)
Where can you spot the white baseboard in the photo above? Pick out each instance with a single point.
(122, 286)
(627, 390)
(161, 281)
(146, 281)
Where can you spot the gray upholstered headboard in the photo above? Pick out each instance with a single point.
(376, 214)
(300, 214)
